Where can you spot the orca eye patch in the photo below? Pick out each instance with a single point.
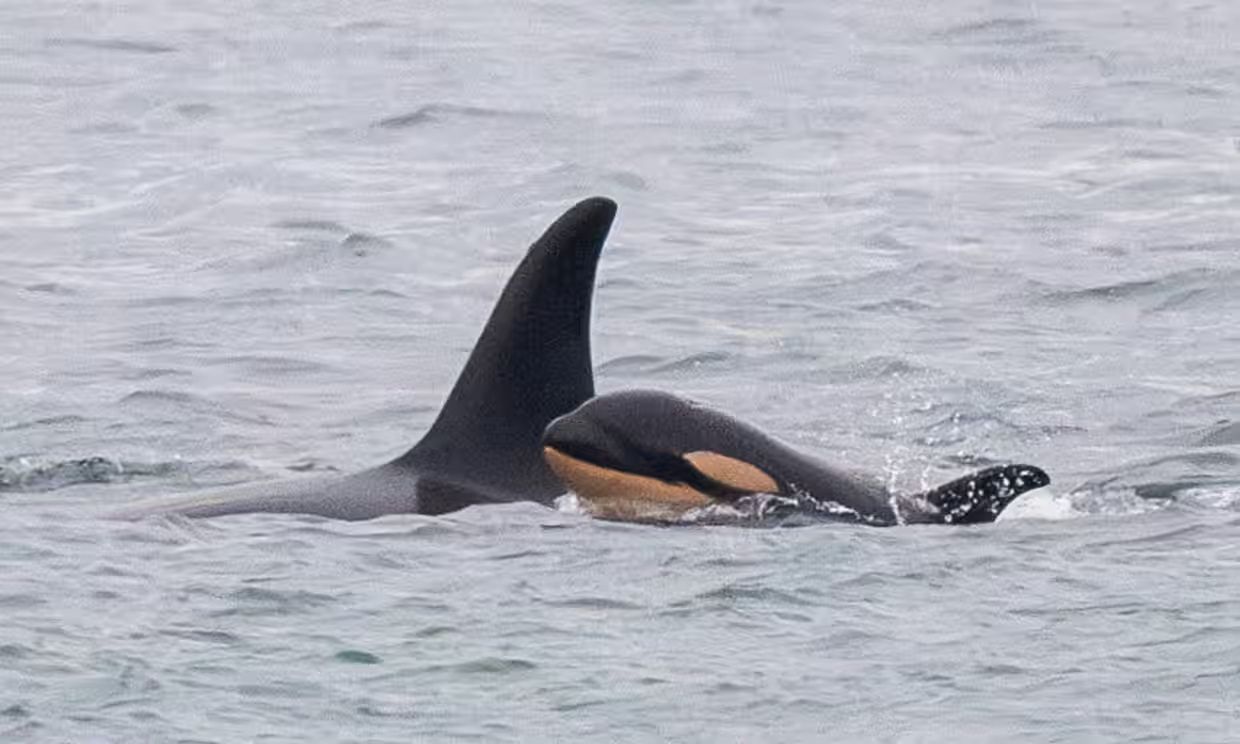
(735, 474)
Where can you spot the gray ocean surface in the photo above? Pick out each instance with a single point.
(247, 241)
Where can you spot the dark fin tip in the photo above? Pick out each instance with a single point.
(532, 360)
(982, 496)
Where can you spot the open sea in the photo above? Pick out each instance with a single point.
(254, 240)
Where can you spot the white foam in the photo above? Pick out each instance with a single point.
(570, 504)
(1214, 497)
(1041, 505)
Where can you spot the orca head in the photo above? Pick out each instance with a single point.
(647, 456)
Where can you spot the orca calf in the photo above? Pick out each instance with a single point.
(531, 364)
(648, 456)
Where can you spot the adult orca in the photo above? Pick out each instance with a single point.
(531, 364)
(642, 455)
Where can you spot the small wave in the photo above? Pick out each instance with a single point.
(16, 651)
(156, 343)
(966, 459)
(1160, 535)
(433, 112)
(20, 601)
(47, 421)
(161, 396)
(693, 362)
(179, 402)
(1102, 123)
(112, 45)
(1155, 484)
(736, 593)
(353, 656)
(312, 225)
(22, 732)
(885, 242)
(311, 465)
(359, 242)
(627, 180)
(629, 362)
(165, 301)
(1115, 291)
(486, 666)
(195, 110)
(1222, 496)
(963, 425)
(1221, 435)
(1217, 459)
(1217, 298)
(1170, 291)
(373, 711)
(999, 31)
(897, 305)
(594, 603)
(27, 475)
(362, 244)
(988, 27)
(516, 555)
(253, 601)
(651, 364)
(395, 527)
(875, 368)
(23, 476)
(1229, 245)
(1168, 491)
(54, 288)
(218, 637)
(267, 364)
(1150, 154)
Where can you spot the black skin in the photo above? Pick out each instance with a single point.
(531, 364)
(646, 433)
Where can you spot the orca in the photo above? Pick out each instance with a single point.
(530, 365)
(649, 456)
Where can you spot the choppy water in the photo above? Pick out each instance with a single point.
(242, 240)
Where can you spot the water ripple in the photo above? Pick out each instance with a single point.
(245, 237)
(112, 45)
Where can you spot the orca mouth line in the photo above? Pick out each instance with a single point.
(661, 466)
(587, 453)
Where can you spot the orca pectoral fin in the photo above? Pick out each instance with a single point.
(982, 496)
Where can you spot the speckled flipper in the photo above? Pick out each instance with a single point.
(982, 496)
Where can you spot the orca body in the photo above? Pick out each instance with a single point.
(649, 456)
(530, 365)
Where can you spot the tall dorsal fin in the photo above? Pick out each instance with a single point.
(532, 361)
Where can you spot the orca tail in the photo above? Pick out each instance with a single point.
(531, 363)
(980, 497)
